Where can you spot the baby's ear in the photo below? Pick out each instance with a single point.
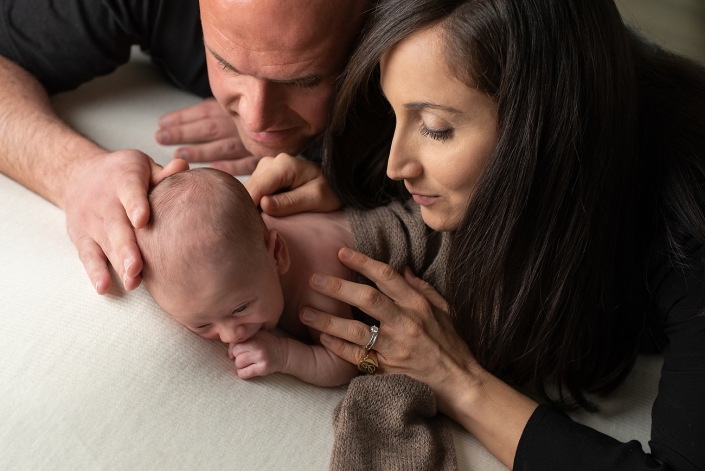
(277, 248)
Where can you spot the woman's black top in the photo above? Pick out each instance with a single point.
(552, 441)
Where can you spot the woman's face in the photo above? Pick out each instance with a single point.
(445, 130)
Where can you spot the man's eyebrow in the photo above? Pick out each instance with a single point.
(306, 81)
(424, 105)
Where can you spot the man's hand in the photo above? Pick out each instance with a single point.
(213, 134)
(305, 187)
(106, 197)
(260, 355)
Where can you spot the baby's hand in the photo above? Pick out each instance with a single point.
(260, 355)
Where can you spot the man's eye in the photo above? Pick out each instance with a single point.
(240, 309)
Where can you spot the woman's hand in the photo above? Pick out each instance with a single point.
(416, 336)
(305, 187)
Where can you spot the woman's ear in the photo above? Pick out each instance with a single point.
(277, 248)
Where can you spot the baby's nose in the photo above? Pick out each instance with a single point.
(231, 334)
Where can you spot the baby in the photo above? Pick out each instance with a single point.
(213, 264)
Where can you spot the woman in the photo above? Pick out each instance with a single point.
(566, 157)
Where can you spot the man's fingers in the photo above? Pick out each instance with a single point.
(95, 264)
(308, 197)
(240, 167)
(175, 166)
(268, 178)
(133, 197)
(228, 148)
(205, 109)
(125, 250)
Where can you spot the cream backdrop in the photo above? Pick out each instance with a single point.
(92, 382)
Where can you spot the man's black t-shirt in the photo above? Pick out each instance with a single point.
(67, 42)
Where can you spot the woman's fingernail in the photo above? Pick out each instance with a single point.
(97, 286)
(164, 137)
(309, 315)
(346, 253)
(325, 338)
(318, 280)
(182, 154)
(128, 262)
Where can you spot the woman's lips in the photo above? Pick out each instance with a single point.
(424, 200)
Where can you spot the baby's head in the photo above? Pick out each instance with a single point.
(209, 260)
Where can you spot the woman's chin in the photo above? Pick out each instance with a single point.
(439, 220)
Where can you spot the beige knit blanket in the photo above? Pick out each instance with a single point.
(389, 422)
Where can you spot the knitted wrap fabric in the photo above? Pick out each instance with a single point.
(389, 422)
(397, 235)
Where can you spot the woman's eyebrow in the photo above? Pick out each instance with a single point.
(424, 105)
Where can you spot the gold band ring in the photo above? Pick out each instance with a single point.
(369, 364)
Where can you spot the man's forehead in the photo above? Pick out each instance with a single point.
(293, 34)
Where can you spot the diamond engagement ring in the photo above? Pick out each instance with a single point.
(373, 330)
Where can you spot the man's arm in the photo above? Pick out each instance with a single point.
(97, 189)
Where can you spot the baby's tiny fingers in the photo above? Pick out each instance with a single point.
(247, 372)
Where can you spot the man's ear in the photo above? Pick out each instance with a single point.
(277, 248)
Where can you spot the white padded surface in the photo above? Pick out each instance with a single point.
(112, 383)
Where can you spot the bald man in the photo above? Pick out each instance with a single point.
(271, 65)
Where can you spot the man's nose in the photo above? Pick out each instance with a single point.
(260, 104)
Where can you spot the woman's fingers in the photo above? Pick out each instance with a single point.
(385, 277)
(363, 297)
(426, 289)
(347, 351)
(350, 330)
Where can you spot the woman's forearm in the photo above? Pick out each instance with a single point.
(488, 408)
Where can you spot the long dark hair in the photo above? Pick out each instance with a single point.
(599, 135)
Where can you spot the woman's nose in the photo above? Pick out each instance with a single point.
(403, 163)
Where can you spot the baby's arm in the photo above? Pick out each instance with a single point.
(264, 354)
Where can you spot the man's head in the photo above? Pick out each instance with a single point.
(272, 65)
(209, 260)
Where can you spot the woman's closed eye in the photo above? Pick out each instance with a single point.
(441, 135)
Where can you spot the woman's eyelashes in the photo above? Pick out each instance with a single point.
(441, 135)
